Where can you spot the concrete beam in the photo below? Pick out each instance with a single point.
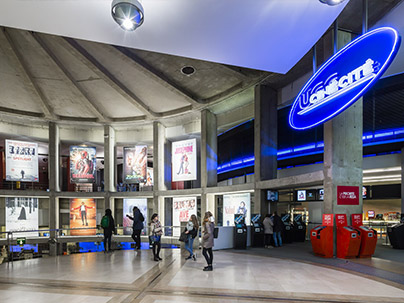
(90, 103)
(29, 79)
(310, 179)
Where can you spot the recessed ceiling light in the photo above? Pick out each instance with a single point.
(332, 2)
(188, 70)
(128, 14)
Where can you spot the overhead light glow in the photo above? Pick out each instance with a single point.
(128, 14)
(332, 2)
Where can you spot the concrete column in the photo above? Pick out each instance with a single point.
(343, 155)
(265, 141)
(159, 140)
(54, 185)
(109, 159)
(402, 181)
(208, 149)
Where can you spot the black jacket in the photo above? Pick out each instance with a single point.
(111, 228)
(278, 224)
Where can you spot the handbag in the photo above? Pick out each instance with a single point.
(183, 237)
(151, 240)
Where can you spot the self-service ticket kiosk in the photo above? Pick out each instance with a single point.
(348, 238)
(299, 229)
(322, 237)
(368, 237)
(288, 229)
(257, 231)
(396, 235)
(240, 232)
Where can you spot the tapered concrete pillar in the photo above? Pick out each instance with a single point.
(208, 149)
(265, 141)
(343, 150)
(109, 166)
(159, 160)
(109, 159)
(54, 185)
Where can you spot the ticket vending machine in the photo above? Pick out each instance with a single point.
(257, 231)
(396, 235)
(240, 232)
(368, 237)
(287, 236)
(299, 229)
(322, 237)
(348, 238)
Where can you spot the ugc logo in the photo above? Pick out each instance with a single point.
(344, 78)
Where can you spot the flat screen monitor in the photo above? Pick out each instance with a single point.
(311, 195)
(365, 192)
(321, 194)
(301, 195)
(272, 196)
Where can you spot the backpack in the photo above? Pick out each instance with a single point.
(141, 217)
(105, 222)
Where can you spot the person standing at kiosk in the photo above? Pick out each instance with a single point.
(207, 240)
(268, 230)
(278, 228)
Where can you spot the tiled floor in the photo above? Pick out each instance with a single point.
(129, 276)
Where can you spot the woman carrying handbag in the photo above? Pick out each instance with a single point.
(191, 231)
(155, 236)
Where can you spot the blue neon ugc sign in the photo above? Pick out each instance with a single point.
(344, 78)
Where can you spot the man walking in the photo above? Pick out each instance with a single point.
(138, 219)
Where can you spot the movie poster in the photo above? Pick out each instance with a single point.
(236, 204)
(184, 159)
(21, 161)
(183, 208)
(149, 180)
(22, 215)
(83, 213)
(82, 164)
(128, 205)
(135, 164)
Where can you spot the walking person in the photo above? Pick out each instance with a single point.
(137, 219)
(192, 231)
(108, 224)
(155, 233)
(207, 240)
(268, 230)
(278, 228)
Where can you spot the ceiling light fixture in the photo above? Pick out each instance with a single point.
(332, 2)
(128, 14)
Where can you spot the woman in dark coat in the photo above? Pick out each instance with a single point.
(207, 240)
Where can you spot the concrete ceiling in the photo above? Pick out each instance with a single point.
(270, 35)
(46, 77)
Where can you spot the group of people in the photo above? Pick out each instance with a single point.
(156, 231)
(273, 227)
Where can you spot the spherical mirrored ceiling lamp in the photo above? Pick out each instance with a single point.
(332, 2)
(128, 14)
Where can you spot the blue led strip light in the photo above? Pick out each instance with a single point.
(369, 139)
(344, 78)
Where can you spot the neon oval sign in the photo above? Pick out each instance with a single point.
(344, 78)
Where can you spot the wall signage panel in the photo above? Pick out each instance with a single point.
(183, 208)
(184, 160)
(82, 164)
(22, 215)
(135, 164)
(21, 161)
(347, 195)
(344, 78)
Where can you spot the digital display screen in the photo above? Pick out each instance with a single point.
(272, 196)
(301, 195)
(311, 195)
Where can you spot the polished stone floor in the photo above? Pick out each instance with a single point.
(256, 275)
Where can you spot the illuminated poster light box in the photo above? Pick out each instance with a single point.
(344, 78)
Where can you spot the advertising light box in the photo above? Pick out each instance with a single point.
(183, 208)
(22, 215)
(236, 204)
(184, 159)
(21, 161)
(301, 195)
(344, 78)
(82, 164)
(135, 164)
(128, 205)
(83, 214)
